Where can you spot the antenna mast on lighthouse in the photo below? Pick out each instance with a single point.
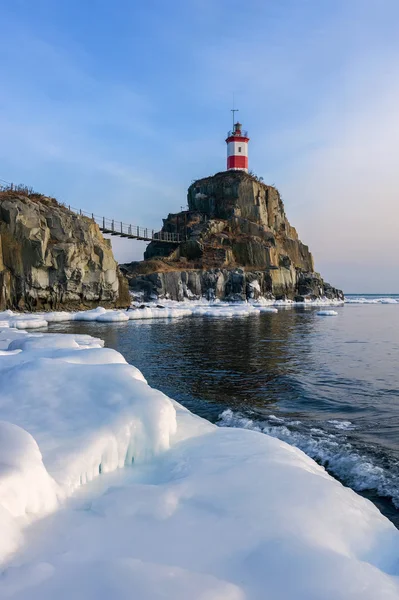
(234, 110)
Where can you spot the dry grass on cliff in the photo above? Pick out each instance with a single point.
(159, 265)
(22, 191)
(234, 175)
(146, 267)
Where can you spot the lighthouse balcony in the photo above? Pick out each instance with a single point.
(238, 133)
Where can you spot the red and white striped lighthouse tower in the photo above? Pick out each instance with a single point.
(237, 148)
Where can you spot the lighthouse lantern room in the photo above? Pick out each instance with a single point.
(237, 149)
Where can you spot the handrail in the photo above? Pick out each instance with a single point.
(114, 227)
(239, 133)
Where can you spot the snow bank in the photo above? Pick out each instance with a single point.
(87, 418)
(173, 309)
(27, 322)
(21, 320)
(159, 312)
(58, 316)
(88, 315)
(113, 316)
(231, 515)
(25, 485)
(205, 512)
(83, 406)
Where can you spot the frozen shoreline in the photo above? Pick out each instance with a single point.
(167, 310)
(170, 309)
(106, 483)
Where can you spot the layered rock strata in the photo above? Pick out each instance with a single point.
(51, 258)
(238, 244)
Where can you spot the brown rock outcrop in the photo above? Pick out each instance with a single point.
(235, 230)
(51, 258)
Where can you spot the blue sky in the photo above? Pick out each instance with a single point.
(116, 107)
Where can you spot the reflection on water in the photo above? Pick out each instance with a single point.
(332, 383)
(211, 363)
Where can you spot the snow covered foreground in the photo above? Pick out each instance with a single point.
(111, 490)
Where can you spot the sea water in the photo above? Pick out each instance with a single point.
(326, 384)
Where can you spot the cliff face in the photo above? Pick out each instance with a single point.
(51, 258)
(228, 284)
(238, 244)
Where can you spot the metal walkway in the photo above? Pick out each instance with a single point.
(110, 226)
(133, 232)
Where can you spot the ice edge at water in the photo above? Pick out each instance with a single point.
(334, 452)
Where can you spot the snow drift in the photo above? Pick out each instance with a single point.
(109, 489)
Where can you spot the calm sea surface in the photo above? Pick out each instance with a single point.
(329, 385)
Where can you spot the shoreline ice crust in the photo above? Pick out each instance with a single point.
(169, 309)
(109, 489)
(172, 309)
(343, 460)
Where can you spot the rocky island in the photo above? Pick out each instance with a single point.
(51, 258)
(237, 245)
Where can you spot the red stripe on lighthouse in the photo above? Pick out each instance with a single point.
(237, 162)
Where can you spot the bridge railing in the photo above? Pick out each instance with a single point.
(114, 227)
(110, 226)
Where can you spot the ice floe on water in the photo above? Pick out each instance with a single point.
(22, 320)
(85, 315)
(327, 313)
(113, 316)
(150, 501)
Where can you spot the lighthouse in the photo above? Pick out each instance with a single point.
(237, 149)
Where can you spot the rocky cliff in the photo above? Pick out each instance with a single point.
(238, 244)
(51, 258)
